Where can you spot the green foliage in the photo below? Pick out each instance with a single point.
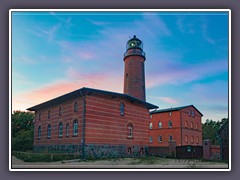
(23, 141)
(22, 130)
(43, 157)
(21, 121)
(210, 128)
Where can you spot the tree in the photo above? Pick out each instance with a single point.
(22, 130)
(209, 130)
(21, 121)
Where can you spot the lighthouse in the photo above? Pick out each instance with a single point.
(134, 75)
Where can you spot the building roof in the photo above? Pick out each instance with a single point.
(174, 109)
(88, 91)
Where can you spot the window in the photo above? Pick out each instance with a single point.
(159, 124)
(39, 132)
(192, 140)
(67, 129)
(49, 131)
(122, 109)
(170, 113)
(186, 138)
(169, 123)
(75, 128)
(186, 124)
(129, 150)
(129, 130)
(159, 138)
(191, 125)
(150, 116)
(197, 126)
(150, 139)
(49, 114)
(39, 116)
(170, 138)
(60, 110)
(60, 129)
(193, 113)
(189, 112)
(75, 107)
(197, 140)
(150, 125)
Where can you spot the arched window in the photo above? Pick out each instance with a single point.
(193, 113)
(170, 113)
(186, 124)
(150, 125)
(67, 129)
(159, 138)
(170, 138)
(150, 139)
(39, 132)
(49, 131)
(191, 125)
(121, 108)
(75, 127)
(60, 129)
(196, 125)
(159, 124)
(197, 140)
(189, 112)
(129, 130)
(186, 138)
(192, 140)
(75, 106)
(60, 110)
(169, 123)
(49, 114)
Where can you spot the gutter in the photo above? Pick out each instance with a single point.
(83, 123)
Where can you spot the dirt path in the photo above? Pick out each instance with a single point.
(125, 163)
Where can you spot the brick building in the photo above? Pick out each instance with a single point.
(179, 124)
(97, 123)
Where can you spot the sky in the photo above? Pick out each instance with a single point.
(187, 56)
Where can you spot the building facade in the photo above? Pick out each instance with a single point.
(180, 124)
(93, 123)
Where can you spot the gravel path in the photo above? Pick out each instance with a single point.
(126, 163)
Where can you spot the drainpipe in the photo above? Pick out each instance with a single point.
(83, 124)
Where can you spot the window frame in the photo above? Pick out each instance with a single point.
(129, 130)
(159, 125)
(170, 124)
(60, 129)
(159, 138)
(150, 125)
(75, 107)
(122, 108)
(170, 138)
(49, 131)
(150, 139)
(75, 130)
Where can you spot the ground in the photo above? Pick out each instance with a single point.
(130, 163)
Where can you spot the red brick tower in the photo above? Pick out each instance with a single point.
(134, 76)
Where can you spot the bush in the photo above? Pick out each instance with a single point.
(23, 141)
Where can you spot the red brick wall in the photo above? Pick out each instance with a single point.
(68, 116)
(134, 78)
(104, 124)
(179, 119)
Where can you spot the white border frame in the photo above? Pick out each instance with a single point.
(117, 10)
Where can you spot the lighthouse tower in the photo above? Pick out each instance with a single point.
(134, 76)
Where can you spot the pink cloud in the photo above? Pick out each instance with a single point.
(168, 100)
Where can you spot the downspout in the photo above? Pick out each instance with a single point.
(83, 124)
(181, 126)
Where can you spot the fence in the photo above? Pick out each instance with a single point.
(189, 152)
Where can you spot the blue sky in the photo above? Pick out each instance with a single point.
(54, 53)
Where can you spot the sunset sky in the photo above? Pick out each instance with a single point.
(54, 53)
